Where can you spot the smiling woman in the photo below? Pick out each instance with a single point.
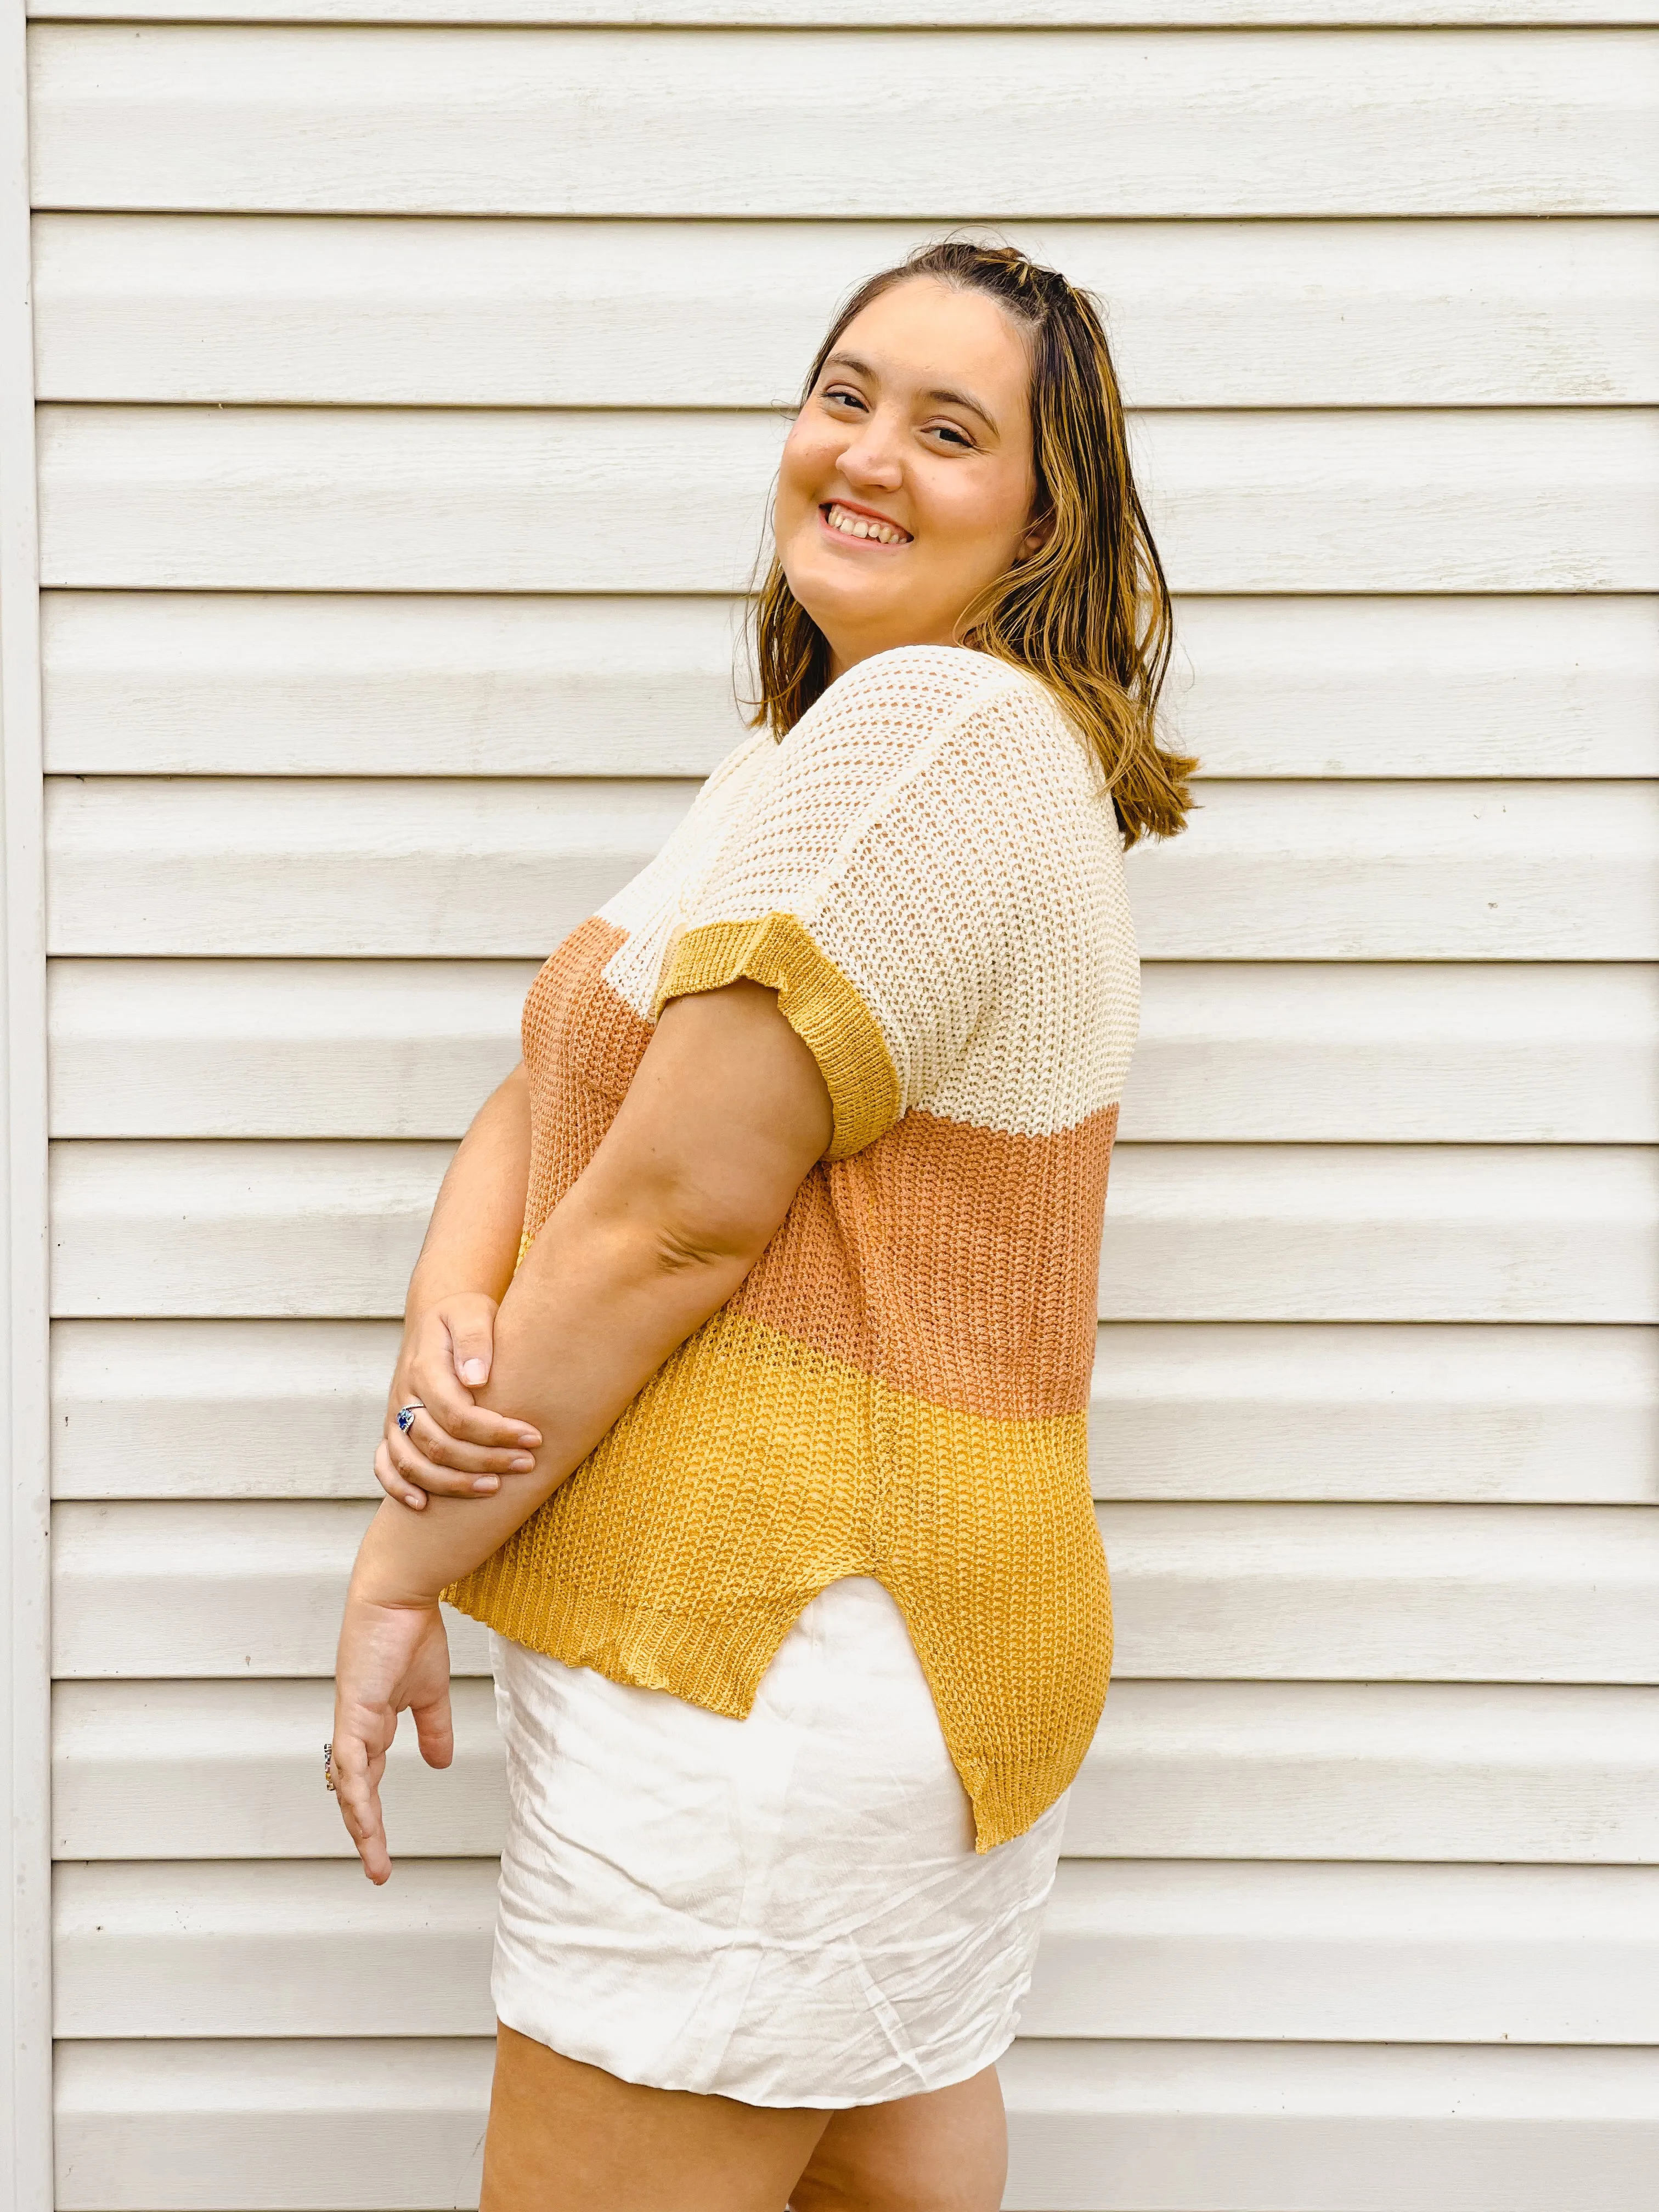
(745, 1367)
(902, 498)
(963, 416)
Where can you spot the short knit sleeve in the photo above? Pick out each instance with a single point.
(857, 883)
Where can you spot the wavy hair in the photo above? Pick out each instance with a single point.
(1088, 613)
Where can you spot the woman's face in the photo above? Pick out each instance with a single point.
(907, 483)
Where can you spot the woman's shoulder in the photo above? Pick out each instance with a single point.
(968, 718)
(940, 752)
(898, 710)
(928, 685)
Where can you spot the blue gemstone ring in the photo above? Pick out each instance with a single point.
(406, 1414)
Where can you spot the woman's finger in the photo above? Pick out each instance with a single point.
(396, 1487)
(439, 1449)
(435, 1730)
(413, 1465)
(428, 1370)
(433, 1382)
(472, 1343)
(356, 1789)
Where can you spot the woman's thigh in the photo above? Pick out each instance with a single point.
(944, 2152)
(567, 2137)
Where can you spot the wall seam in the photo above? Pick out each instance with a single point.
(26, 2175)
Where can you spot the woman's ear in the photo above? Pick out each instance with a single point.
(1035, 539)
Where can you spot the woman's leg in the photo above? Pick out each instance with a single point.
(946, 2152)
(566, 2137)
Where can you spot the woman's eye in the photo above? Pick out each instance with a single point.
(842, 397)
(952, 436)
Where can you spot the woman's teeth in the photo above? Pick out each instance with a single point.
(861, 525)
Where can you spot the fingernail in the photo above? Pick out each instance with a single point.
(487, 1482)
(522, 1464)
(415, 1499)
(473, 1371)
(530, 1437)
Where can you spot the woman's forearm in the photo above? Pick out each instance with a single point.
(472, 1239)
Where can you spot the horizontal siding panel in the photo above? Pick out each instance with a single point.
(1513, 1415)
(1509, 1415)
(991, 14)
(311, 310)
(181, 867)
(280, 1049)
(1337, 1054)
(176, 867)
(1343, 1054)
(214, 683)
(1120, 2127)
(1351, 1953)
(731, 122)
(1163, 2127)
(323, 1230)
(1351, 1233)
(1404, 872)
(374, 500)
(1407, 1593)
(1536, 1594)
(1193, 1232)
(251, 1589)
(225, 1770)
(165, 1409)
(218, 683)
(1301, 1771)
(300, 1948)
(1371, 1771)
(386, 2126)
(1238, 1951)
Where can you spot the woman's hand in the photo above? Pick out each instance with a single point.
(394, 1656)
(455, 1448)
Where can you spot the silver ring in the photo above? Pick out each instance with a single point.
(406, 1414)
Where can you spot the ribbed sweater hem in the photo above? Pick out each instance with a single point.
(715, 1657)
(711, 1655)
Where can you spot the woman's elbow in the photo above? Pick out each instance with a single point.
(708, 1241)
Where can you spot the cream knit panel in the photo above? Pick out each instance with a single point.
(649, 905)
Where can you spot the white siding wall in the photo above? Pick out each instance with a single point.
(408, 393)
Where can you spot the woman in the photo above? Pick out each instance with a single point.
(803, 1176)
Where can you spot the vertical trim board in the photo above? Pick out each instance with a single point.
(26, 2147)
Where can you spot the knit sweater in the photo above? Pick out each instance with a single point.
(928, 872)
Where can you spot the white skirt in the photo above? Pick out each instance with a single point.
(787, 1910)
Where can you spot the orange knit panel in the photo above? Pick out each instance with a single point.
(582, 1045)
(994, 1313)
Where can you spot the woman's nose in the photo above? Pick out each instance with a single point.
(873, 458)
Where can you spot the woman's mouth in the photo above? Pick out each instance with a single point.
(854, 522)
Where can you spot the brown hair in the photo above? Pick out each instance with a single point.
(1089, 612)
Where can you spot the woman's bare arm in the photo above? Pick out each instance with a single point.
(472, 1238)
(447, 1353)
(726, 1115)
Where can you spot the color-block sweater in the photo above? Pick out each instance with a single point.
(929, 872)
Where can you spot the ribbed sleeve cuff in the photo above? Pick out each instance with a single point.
(815, 998)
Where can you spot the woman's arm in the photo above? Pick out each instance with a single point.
(727, 1114)
(466, 1266)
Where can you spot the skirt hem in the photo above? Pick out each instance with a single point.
(953, 2077)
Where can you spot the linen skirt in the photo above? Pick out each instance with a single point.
(785, 1910)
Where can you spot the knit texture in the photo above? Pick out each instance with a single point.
(929, 874)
